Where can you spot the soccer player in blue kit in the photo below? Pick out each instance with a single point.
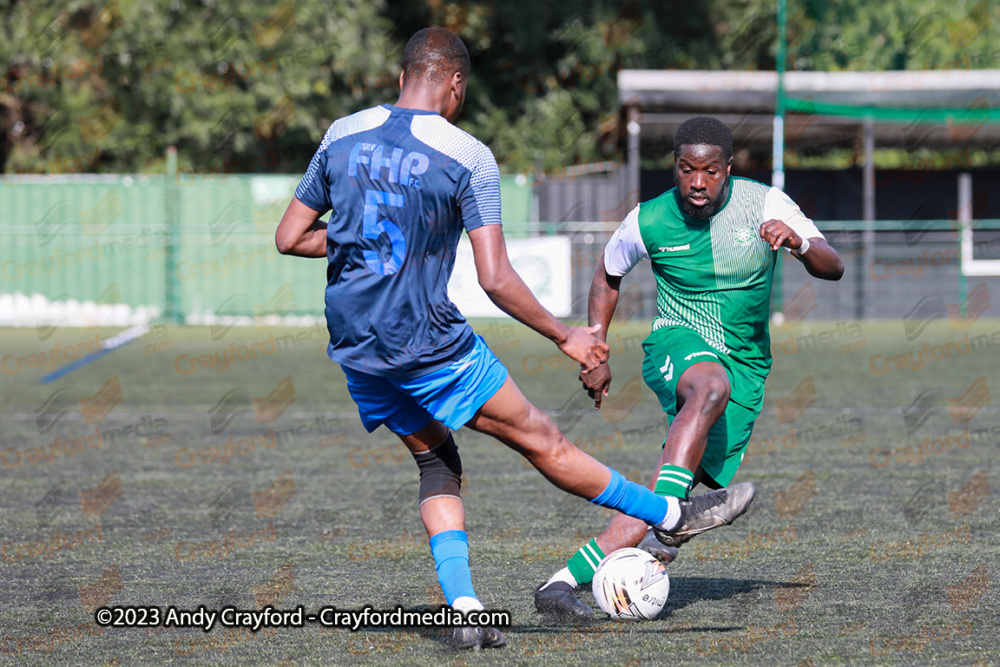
(402, 183)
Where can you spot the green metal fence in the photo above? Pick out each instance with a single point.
(84, 238)
(197, 248)
(189, 248)
(183, 247)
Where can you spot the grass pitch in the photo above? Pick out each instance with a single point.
(227, 467)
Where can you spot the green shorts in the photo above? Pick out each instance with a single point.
(668, 353)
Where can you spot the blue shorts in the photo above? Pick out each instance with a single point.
(452, 395)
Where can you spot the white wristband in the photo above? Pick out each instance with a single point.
(802, 249)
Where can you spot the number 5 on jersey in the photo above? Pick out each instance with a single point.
(373, 228)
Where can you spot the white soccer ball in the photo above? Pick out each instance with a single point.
(631, 585)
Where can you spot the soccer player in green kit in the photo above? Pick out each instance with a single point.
(713, 242)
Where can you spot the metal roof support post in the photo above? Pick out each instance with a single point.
(868, 215)
(778, 143)
(778, 146)
(632, 129)
(534, 229)
(172, 300)
(965, 228)
(868, 176)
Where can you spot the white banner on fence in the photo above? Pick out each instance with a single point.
(543, 263)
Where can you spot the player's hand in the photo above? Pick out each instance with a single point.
(582, 346)
(597, 382)
(778, 235)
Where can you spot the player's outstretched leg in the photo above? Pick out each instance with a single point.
(701, 398)
(702, 393)
(443, 515)
(557, 596)
(511, 418)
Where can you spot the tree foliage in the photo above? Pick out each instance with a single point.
(235, 87)
(107, 85)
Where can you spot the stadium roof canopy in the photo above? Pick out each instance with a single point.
(937, 109)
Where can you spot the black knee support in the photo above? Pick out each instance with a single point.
(440, 471)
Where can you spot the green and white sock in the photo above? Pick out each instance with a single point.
(674, 481)
(583, 564)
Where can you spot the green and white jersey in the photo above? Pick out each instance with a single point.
(713, 275)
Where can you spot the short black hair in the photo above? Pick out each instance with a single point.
(435, 53)
(704, 130)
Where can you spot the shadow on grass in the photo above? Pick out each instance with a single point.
(684, 591)
(689, 590)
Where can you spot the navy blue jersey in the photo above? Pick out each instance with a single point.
(401, 185)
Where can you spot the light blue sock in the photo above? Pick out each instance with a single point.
(451, 558)
(632, 499)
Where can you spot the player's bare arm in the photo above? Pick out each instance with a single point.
(300, 232)
(820, 259)
(603, 300)
(506, 289)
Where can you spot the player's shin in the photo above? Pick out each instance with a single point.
(584, 562)
(451, 560)
(674, 483)
(638, 501)
(581, 566)
(442, 513)
(622, 532)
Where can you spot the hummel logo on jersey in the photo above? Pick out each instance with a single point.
(675, 248)
(667, 370)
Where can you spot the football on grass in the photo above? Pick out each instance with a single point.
(631, 585)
